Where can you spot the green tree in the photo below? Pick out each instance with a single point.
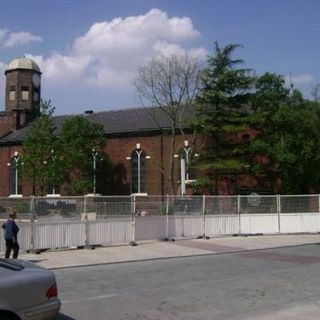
(223, 112)
(36, 148)
(287, 143)
(78, 137)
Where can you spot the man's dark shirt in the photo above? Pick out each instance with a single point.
(11, 230)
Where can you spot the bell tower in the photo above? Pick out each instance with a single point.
(23, 89)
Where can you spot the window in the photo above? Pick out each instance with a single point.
(138, 172)
(12, 93)
(35, 96)
(25, 93)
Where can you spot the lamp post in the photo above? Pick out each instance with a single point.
(184, 160)
(138, 152)
(16, 159)
(53, 157)
(186, 152)
(94, 153)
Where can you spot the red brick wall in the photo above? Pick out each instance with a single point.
(121, 148)
(118, 149)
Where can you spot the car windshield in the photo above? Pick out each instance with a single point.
(12, 265)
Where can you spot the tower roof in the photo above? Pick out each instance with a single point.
(23, 63)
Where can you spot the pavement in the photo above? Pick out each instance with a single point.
(150, 250)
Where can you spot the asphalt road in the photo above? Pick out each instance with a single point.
(270, 284)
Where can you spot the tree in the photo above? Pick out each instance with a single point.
(78, 138)
(223, 112)
(316, 92)
(37, 147)
(288, 138)
(169, 83)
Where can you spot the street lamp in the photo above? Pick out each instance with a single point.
(16, 159)
(138, 152)
(53, 157)
(94, 154)
(184, 160)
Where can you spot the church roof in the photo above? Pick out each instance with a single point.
(23, 63)
(123, 121)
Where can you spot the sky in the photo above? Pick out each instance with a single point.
(89, 50)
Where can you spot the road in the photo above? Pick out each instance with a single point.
(272, 284)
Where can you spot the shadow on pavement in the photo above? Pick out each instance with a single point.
(62, 316)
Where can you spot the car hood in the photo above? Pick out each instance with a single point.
(18, 264)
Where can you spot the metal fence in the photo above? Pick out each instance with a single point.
(54, 222)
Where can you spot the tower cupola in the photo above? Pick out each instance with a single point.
(23, 88)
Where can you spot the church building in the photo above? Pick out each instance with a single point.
(138, 146)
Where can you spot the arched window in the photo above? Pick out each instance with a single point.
(15, 181)
(138, 171)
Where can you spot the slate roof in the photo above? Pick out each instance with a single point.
(123, 121)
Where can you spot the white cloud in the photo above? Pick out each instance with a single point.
(3, 67)
(12, 39)
(109, 53)
(300, 79)
(3, 33)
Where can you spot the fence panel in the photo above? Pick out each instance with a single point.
(221, 205)
(259, 223)
(57, 209)
(256, 204)
(150, 228)
(111, 231)
(59, 234)
(221, 224)
(22, 206)
(222, 216)
(299, 213)
(186, 219)
(149, 206)
(259, 214)
(111, 206)
(188, 226)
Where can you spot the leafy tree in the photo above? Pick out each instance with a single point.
(223, 112)
(169, 83)
(79, 137)
(288, 137)
(37, 146)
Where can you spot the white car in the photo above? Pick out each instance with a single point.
(27, 291)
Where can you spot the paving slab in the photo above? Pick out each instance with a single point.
(65, 258)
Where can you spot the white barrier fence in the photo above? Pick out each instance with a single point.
(79, 221)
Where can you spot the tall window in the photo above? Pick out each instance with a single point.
(35, 96)
(12, 93)
(25, 93)
(138, 171)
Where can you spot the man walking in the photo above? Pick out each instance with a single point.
(11, 236)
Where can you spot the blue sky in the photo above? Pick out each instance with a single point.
(89, 50)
